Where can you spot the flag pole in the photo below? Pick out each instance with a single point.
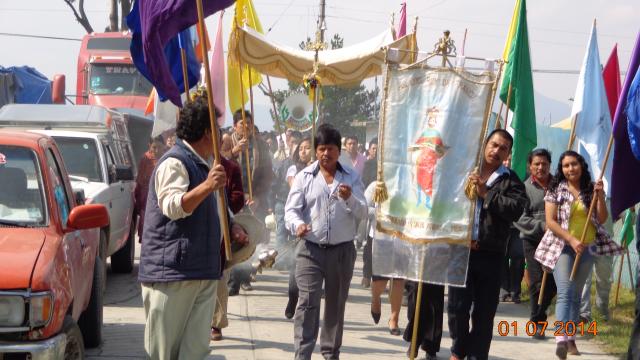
(591, 207)
(615, 303)
(506, 116)
(572, 137)
(215, 131)
(244, 122)
(253, 129)
(275, 109)
(183, 60)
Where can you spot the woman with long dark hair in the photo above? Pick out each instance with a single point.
(566, 208)
(301, 159)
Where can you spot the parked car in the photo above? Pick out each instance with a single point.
(50, 260)
(97, 149)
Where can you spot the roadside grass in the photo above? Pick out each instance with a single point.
(613, 334)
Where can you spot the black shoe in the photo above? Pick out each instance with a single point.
(516, 299)
(291, 308)
(395, 331)
(376, 317)
(561, 350)
(539, 336)
(234, 292)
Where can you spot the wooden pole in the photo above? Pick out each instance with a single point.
(314, 112)
(630, 270)
(185, 75)
(591, 207)
(275, 111)
(253, 128)
(506, 117)
(572, 137)
(246, 131)
(416, 318)
(215, 131)
(615, 303)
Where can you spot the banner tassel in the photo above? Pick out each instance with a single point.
(381, 194)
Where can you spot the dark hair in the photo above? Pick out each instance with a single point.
(373, 141)
(586, 186)
(194, 119)
(327, 135)
(296, 134)
(237, 116)
(539, 152)
(351, 137)
(503, 133)
(296, 155)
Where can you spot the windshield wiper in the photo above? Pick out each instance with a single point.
(79, 178)
(14, 223)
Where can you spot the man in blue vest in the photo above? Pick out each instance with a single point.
(180, 261)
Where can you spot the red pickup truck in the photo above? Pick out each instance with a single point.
(50, 273)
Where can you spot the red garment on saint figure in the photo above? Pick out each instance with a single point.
(426, 162)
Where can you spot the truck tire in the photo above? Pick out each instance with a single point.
(74, 350)
(90, 321)
(122, 260)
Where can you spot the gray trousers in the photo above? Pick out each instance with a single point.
(334, 266)
(603, 268)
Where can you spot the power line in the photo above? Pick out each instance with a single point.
(39, 36)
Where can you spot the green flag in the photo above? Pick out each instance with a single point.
(626, 233)
(517, 74)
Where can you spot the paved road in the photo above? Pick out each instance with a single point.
(259, 330)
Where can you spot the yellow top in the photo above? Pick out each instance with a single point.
(577, 219)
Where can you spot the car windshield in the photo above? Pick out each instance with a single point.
(21, 195)
(118, 79)
(80, 157)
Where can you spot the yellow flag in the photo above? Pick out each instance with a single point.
(512, 31)
(245, 15)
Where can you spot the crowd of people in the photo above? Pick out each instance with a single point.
(319, 191)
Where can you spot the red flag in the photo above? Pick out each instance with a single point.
(611, 75)
(402, 24)
(202, 40)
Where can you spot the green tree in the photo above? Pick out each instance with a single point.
(340, 105)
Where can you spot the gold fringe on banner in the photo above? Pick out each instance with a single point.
(382, 194)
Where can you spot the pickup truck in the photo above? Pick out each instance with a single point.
(50, 266)
(101, 159)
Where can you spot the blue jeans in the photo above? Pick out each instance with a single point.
(568, 296)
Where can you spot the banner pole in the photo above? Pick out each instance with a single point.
(416, 313)
(215, 133)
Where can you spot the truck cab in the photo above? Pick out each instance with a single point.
(106, 74)
(97, 149)
(50, 288)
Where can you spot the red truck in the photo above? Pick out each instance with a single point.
(50, 273)
(106, 74)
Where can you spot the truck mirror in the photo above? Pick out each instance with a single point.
(58, 89)
(120, 173)
(87, 217)
(78, 195)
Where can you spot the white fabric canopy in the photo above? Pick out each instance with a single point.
(347, 65)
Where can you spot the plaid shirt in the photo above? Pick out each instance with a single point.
(551, 245)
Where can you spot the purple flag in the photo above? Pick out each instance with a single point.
(161, 20)
(625, 191)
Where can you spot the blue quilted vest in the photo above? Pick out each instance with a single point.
(187, 248)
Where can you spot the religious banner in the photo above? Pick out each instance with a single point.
(432, 128)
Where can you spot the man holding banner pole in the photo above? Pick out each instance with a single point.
(501, 199)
